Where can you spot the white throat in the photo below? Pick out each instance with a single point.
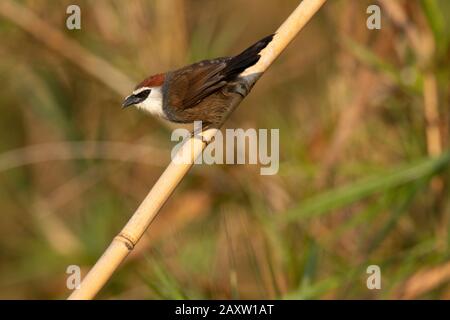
(154, 101)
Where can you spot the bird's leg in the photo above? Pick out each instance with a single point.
(197, 132)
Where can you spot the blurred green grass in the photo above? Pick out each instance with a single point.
(356, 184)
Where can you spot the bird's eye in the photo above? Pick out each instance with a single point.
(143, 94)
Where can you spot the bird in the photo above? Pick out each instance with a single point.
(202, 91)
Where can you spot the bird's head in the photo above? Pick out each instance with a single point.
(147, 95)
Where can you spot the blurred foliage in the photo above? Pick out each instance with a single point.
(357, 184)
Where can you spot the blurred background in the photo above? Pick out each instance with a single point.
(364, 161)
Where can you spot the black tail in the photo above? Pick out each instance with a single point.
(247, 58)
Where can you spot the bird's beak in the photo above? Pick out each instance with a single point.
(131, 100)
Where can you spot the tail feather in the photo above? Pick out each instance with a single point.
(246, 58)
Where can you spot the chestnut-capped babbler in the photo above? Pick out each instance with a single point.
(197, 92)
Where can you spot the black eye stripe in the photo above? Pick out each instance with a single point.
(143, 94)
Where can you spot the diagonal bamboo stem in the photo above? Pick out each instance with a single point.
(124, 243)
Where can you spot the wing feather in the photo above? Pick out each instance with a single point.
(190, 85)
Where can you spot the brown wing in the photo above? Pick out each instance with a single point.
(190, 85)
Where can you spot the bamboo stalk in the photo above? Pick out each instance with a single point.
(126, 240)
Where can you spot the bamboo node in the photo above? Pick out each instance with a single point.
(127, 240)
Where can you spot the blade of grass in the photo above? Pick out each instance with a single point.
(347, 195)
(163, 283)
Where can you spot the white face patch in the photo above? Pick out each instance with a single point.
(153, 103)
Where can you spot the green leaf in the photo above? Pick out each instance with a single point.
(435, 19)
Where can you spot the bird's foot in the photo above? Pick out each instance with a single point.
(198, 133)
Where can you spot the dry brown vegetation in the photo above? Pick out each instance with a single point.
(364, 125)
